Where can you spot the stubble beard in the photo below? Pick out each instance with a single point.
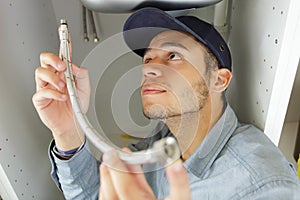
(190, 101)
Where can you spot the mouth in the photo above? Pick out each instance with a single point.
(152, 89)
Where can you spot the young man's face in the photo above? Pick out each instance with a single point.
(174, 76)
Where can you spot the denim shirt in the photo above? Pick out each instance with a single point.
(234, 161)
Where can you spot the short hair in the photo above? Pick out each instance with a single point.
(210, 59)
(211, 63)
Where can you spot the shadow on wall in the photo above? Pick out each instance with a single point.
(297, 150)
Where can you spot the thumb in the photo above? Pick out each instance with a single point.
(179, 182)
(81, 75)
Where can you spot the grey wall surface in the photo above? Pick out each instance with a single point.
(27, 28)
(30, 27)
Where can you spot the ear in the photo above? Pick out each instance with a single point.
(222, 80)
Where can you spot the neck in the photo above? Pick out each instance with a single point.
(191, 128)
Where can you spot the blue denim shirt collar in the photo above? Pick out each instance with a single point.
(213, 143)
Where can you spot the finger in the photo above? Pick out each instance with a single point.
(132, 168)
(81, 73)
(52, 62)
(39, 97)
(136, 169)
(82, 83)
(44, 77)
(70, 44)
(178, 180)
(125, 181)
(126, 149)
(106, 191)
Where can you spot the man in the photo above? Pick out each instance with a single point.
(186, 71)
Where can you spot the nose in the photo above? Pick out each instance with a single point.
(151, 71)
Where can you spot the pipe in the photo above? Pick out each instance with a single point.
(85, 34)
(220, 14)
(93, 26)
(220, 18)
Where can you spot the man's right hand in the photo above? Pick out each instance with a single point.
(52, 102)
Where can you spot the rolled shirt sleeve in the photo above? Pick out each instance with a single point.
(78, 177)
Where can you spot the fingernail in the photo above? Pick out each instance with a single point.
(110, 157)
(61, 85)
(63, 97)
(177, 167)
(61, 64)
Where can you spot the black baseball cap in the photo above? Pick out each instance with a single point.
(143, 25)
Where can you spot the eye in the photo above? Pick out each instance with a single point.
(174, 56)
(146, 60)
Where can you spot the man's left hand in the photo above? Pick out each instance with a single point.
(122, 181)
